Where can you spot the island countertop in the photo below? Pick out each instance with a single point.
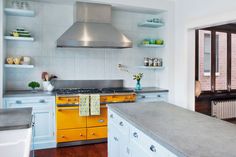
(184, 132)
(13, 119)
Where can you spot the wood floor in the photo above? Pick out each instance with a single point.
(92, 150)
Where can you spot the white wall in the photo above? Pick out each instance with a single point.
(2, 48)
(78, 64)
(193, 14)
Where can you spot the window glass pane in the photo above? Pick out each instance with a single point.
(221, 61)
(205, 59)
(233, 61)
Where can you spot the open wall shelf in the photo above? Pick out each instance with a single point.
(19, 12)
(19, 66)
(19, 38)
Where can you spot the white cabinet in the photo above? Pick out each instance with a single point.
(150, 97)
(125, 140)
(43, 118)
(118, 140)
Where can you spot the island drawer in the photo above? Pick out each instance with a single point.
(118, 121)
(152, 147)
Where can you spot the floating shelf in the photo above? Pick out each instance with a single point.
(151, 24)
(151, 46)
(150, 67)
(19, 12)
(19, 66)
(19, 38)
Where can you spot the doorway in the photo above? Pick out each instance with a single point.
(215, 66)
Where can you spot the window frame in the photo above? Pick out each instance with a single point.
(213, 74)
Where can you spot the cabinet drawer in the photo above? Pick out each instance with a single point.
(150, 97)
(118, 98)
(69, 118)
(96, 133)
(149, 145)
(100, 120)
(71, 135)
(119, 122)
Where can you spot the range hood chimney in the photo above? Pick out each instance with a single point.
(93, 29)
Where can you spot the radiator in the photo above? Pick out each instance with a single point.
(223, 109)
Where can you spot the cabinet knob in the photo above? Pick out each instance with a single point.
(42, 101)
(121, 124)
(100, 120)
(158, 96)
(62, 136)
(153, 148)
(18, 102)
(135, 134)
(93, 133)
(111, 116)
(115, 138)
(143, 96)
(81, 134)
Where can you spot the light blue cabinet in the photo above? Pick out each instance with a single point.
(43, 118)
(151, 97)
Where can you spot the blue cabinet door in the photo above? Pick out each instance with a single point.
(43, 119)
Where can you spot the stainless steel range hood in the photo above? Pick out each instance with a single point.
(93, 29)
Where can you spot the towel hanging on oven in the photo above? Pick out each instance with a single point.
(84, 104)
(94, 104)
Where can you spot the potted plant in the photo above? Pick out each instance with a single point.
(138, 78)
(34, 85)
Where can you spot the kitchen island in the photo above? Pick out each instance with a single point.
(162, 129)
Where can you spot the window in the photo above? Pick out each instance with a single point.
(214, 44)
(207, 54)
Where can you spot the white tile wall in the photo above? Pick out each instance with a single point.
(78, 64)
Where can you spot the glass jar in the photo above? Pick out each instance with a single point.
(150, 62)
(146, 61)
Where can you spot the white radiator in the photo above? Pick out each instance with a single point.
(223, 109)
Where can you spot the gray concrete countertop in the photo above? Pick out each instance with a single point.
(185, 133)
(151, 90)
(13, 119)
(27, 93)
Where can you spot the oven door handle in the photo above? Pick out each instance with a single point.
(61, 109)
(75, 108)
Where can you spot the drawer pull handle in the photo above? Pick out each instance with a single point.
(121, 124)
(158, 96)
(143, 96)
(153, 148)
(18, 102)
(42, 101)
(135, 134)
(116, 139)
(100, 120)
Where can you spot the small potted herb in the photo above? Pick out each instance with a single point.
(138, 78)
(34, 85)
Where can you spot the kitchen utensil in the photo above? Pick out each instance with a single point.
(43, 76)
(10, 60)
(47, 77)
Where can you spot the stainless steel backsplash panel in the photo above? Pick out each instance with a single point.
(88, 83)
